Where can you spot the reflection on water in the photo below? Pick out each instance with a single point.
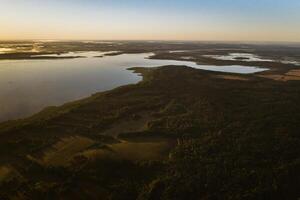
(28, 86)
(5, 50)
(240, 56)
(249, 57)
(20, 48)
(86, 54)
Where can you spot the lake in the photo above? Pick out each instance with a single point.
(28, 86)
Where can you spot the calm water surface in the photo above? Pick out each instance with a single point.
(28, 86)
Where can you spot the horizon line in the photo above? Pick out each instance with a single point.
(154, 40)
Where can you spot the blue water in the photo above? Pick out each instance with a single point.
(28, 86)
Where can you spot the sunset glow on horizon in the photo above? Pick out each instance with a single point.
(226, 20)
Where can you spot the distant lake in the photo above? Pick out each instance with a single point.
(28, 86)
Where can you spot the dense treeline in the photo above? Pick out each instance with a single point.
(229, 139)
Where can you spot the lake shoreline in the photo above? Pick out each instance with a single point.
(174, 115)
(44, 82)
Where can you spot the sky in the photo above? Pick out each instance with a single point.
(204, 20)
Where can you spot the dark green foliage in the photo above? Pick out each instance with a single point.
(236, 140)
(229, 166)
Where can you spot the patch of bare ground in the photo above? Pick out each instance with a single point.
(7, 173)
(292, 75)
(61, 153)
(128, 150)
(4, 173)
(138, 123)
(142, 150)
(232, 77)
(294, 72)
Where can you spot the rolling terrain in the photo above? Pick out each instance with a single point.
(181, 133)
